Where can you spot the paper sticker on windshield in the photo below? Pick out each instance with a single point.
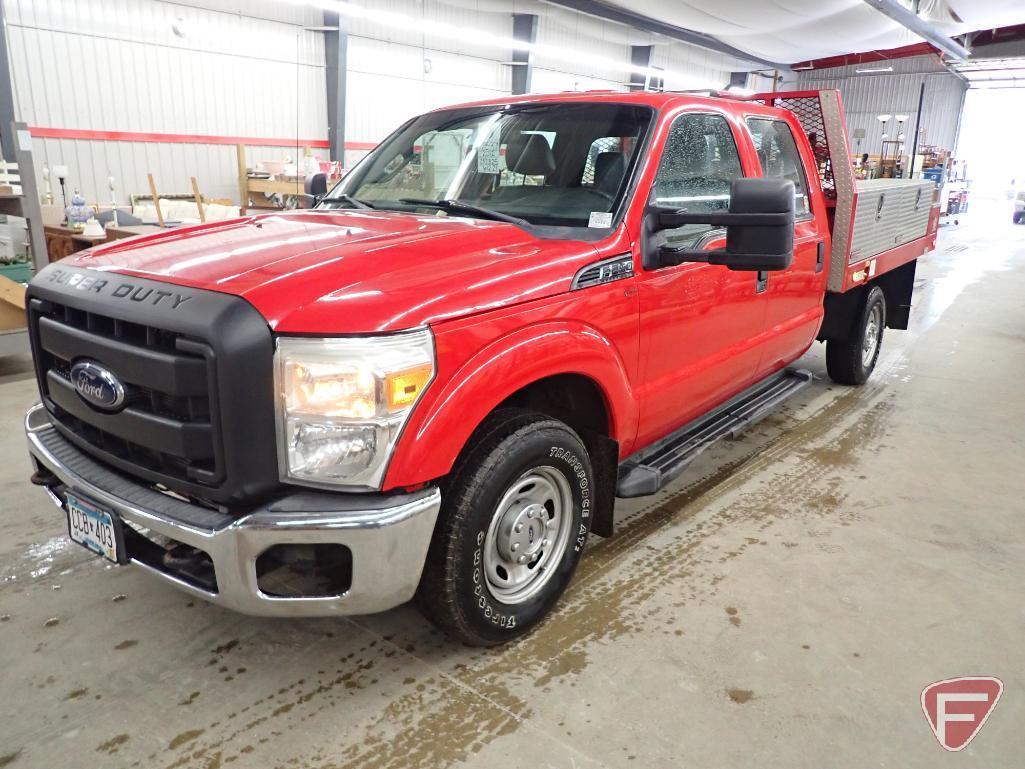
(488, 155)
(600, 219)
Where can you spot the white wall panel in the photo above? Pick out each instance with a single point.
(689, 67)
(573, 32)
(489, 16)
(117, 65)
(388, 83)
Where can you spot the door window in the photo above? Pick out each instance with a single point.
(778, 154)
(699, 161)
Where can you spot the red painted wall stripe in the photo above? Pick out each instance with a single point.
(867, 57)
(141, 136)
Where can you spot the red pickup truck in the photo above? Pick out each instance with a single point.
(434, 383)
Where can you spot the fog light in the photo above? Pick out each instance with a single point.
(322, 570)
(323, 450)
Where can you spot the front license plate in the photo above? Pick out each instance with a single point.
(94, 528)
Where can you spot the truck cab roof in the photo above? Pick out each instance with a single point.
(656, 100)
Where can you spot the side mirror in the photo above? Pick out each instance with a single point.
(315, 187)
(759, 228)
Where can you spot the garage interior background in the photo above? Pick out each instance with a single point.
(123, 88)
(205, 76)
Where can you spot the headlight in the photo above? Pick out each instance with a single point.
(341, 404)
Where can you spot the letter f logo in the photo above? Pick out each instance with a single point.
(956, 708)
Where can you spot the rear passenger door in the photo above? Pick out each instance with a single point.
(793, 296)
(699, 322)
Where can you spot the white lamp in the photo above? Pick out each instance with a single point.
(48, 197)
(113, 200)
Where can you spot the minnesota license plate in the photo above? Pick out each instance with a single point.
(94, 528)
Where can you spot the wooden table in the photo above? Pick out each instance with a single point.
(65, 241)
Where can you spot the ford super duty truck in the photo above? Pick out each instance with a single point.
(434, 383)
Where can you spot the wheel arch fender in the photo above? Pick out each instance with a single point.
(444, 420)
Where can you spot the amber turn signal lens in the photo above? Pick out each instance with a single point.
(404, 387)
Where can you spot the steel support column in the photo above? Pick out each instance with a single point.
(739, 79)
(6, 93)
(524, 30)
(640, 56)
(336, 48)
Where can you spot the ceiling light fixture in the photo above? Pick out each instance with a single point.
(867, 70)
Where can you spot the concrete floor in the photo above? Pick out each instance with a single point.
(782, 605)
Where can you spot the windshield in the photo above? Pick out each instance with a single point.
(551, 164)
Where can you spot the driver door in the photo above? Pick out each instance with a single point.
(698, 322)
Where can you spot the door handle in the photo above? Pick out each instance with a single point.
(763, 281)
(820, 256)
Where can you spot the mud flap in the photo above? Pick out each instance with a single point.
(604, 453)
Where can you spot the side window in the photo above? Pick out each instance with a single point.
(699, 162)
(778, 154)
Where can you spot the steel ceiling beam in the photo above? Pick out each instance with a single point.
(648, 24)
(906, 18)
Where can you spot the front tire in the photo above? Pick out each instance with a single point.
(515, 515)
(850, 361)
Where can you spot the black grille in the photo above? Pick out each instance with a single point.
(197, 373)
(167, 425)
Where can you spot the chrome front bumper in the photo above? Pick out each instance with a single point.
(388, 537)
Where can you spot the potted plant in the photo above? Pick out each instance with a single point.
(16, 268)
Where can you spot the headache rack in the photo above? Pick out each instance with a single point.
(876, 224)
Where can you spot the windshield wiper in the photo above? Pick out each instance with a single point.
(346, 198)
(458, 207)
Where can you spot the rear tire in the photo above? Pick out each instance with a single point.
(515, 515)
(850, 361)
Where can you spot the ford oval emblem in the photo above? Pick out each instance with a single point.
(97, 386)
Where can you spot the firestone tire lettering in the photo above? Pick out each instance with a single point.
(455, 590)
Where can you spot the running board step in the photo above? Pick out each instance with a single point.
(651, 469)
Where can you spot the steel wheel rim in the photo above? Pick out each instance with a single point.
(872, 331)
(537, 508)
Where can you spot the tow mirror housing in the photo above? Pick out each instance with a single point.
(315, 187)
(759, 228)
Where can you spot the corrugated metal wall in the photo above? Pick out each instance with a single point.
(394, 74)
(118, 65)
(247, 68)
(565, 30)
(688, 67)
(867, 95)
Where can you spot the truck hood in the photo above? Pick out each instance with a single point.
(353, 271)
